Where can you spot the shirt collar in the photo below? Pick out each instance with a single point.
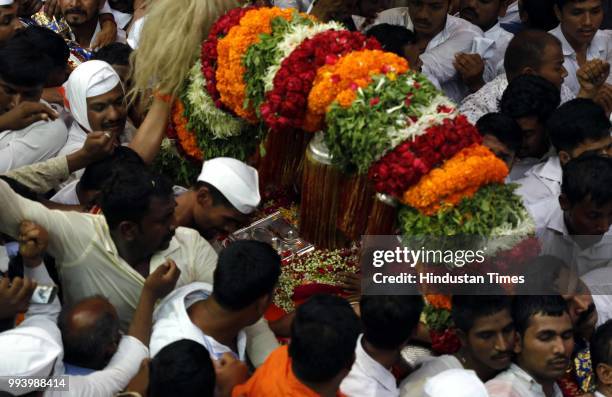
(442, 36)
(551, 169)
(556, 221)
(494, 32)
(524, 376)
(373, 368)
(597, 45)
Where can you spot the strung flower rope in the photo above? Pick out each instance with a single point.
(231, 50)
(352, 71)
(186, 139)
(458, 178)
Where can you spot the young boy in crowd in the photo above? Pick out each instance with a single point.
(486, 330)
(577, 127)
(388, 324)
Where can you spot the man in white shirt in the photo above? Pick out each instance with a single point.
(83, 19)
(530, 100)
(439, 37)
(575, 226)
(486, 59)
(601, 358)
(577, 127)
(215, 316)
(456, 383)
(580, 36)
(388, 324)
(544, 347)
(486, 330)
(529, 52)
(30, 130)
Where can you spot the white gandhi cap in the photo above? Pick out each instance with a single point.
(238, 182)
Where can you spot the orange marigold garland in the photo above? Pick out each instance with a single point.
(186, 139)
(231, 50)
(459, 177)
(350, 72)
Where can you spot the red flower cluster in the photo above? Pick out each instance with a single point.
(209, 48)
(285, 106)
(404, 166)
(445, 342)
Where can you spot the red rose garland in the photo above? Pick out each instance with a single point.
(408, 162)
(209, 48)
(285, 106)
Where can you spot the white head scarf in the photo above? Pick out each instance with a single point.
(238, 182)
(91, 78)
(457, 383)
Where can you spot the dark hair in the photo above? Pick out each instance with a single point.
(114, 54)
(467, 308)
(183, 368)
(502, 127)
(127, 194)
(48, 42)
(588, 176)
(89, 347)
(601, 345)
(563, 3)
(393, 38)
(540, 14)
(530, 96)
(246, 271)
(526, 306)
(323, 338)
(98, 173)
(389, 320)
(217, 197)
(22, 63)
(575, 122)
(526, 50)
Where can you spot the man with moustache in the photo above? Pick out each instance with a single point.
(83, 17)
(486, 331)
(486, 59)
(543, 350)
(580, 36)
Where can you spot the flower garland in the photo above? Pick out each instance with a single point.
(203, 112)
(186, 139)
(290, 42)
(285, 105)
(172, 163)
(493, 209)
(352, 71)
(359, 135)
(408, 162)
(459, 177)
(231, 50)
(208, 56)
(317, 269)
(261, 55)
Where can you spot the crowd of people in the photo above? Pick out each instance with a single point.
(113, 280)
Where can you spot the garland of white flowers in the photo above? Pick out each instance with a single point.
(507, 235)
(203, 110)
(290, 42)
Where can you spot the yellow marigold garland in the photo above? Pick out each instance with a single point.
(233, 47)
(350, 72)
(186, 138)
(459, 177)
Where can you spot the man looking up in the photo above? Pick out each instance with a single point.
(543, 351)
(9, 22)
(580, 36)
(486, 330)
(486, 59)
(27, 133)
(439, 37)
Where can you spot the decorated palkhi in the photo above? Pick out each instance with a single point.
(388, 150)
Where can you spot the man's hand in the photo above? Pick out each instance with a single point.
(99, 145)
(604, 98)
(107, 34)
(230, 372)
(15, 298)
(33, 242)
(162, 280)
(592, 76)
(26, 114)
(471, 68)
(351, 284)
(52, 8)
